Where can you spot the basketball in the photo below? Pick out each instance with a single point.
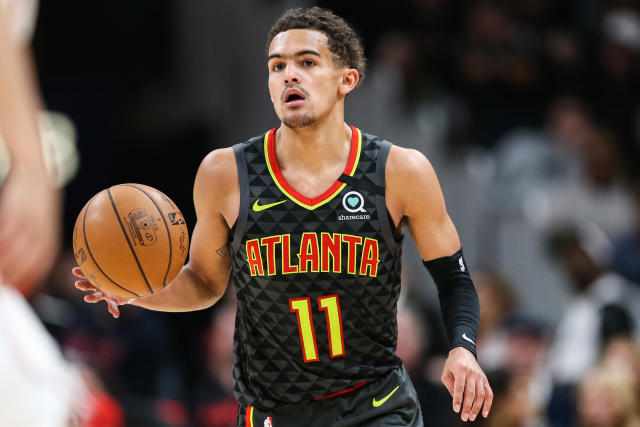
(130, 240)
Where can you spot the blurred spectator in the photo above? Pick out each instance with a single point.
(512, 405)
(434, 398)
(599, 197)
(625, 248)
(515, 347)
(577, 340)
(529, 162)
(497, 304)
(527, 359)
(102, 410)
(607, 398)
(498, 72)
(215, 405)
(615, 88)
(131, 365)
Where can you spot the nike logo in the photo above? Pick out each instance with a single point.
(465, 337)
(258, 208)
(377, 403)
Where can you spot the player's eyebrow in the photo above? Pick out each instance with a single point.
(300, 53)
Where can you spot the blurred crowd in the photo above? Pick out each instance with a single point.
(528, 109)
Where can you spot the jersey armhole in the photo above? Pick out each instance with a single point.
(237, 229)
(389, 231)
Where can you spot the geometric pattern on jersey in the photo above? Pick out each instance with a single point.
(269, 356)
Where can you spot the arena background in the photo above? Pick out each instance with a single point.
(528, 110)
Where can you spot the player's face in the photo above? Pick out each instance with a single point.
(304, 83)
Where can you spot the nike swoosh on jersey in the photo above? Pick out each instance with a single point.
(258, 208)
(377, 403)
(465, 337)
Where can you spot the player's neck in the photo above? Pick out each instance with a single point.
(313, 148)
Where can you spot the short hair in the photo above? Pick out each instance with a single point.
(344, 43)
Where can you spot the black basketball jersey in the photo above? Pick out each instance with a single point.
(317, 279)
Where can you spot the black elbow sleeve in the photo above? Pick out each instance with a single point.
(458, 300)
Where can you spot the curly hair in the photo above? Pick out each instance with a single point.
(344, 43)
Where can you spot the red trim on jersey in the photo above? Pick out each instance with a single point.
(357, 386)
(248, 417)
(273, 163)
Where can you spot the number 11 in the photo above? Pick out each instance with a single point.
(331, 306)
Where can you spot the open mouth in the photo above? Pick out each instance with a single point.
(293, 97)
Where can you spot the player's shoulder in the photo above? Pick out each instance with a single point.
(407, 163)
(219, 164)
(401, 162)
(217, 175)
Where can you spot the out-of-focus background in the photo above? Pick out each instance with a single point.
(529, 112)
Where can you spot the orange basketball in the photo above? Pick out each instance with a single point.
(130, 240)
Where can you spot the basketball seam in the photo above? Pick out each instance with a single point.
(115, 210)
(164, 281)
(86, 243)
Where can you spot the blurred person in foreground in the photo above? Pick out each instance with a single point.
(315, 337)
(37, 386)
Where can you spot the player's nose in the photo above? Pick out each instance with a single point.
(291, 74)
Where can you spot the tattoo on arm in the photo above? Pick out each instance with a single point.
(223, 251)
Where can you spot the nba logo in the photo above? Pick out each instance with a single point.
(461, 264)
(268, 422)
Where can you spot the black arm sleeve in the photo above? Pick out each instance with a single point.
(458, 300)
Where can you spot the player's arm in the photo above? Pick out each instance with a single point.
(29, 203)
(414, 194)
(203, 280)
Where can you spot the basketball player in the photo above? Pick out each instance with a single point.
(307, 216)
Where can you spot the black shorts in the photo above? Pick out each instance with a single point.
(389, 401)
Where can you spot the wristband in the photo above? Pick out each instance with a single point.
(458, 300)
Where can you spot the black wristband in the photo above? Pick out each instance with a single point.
(458, 300)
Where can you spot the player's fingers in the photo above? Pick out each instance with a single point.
(458, 391)
(94, 297)
(478, 401)
(113, 308)
(469, 396)
(77, 271)
(447, 380)
(488, 398)
(85, 285)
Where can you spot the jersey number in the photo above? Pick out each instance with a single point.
(331, 306)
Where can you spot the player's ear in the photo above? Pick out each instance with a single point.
(349, 79)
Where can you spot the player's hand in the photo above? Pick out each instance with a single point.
(97, 295)
(29, 228)
(464, 379)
